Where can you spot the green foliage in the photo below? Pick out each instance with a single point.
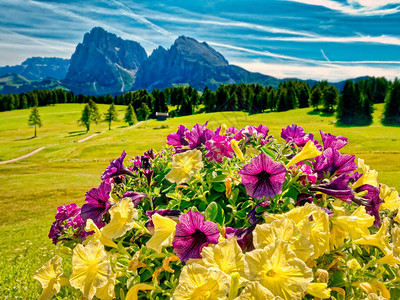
(130, 115)
(392, 105)
(90, 114)
(329, 97)
(34, 118)
(143, 112)
(315, 97)
(110, 115)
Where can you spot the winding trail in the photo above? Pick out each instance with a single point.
(41, 148)
(88, 137)
(21, 157)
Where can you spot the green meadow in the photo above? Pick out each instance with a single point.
(31, 189)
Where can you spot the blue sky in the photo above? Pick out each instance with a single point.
(317, 39)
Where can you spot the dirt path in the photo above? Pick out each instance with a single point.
(133, 126)
(21, 157)
(88, 137)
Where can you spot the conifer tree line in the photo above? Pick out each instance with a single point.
(353, 105)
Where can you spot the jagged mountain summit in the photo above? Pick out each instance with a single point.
(38, 68)
(193, 63)
(104, 63)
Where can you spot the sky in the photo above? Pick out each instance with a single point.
(307, 39)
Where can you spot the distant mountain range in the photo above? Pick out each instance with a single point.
(106, 64)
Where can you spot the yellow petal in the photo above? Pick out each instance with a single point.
(380, 239)
(91, 268)
(309, 151)
(184, 166)
(286, 230)
(369, 176)
(277, 269)
(107, 292)
(356, 224)
(353, 264)
(122, 217)
(49, 276)
(198, 282)
(97, 236)
(164, 232)
(236, 149)
(391, 198)
(373, 288)
(319, 290)
(255, 291)
(226, 256)
(132, 293)
(223, 129)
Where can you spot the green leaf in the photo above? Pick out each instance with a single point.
(215, 213)
(394, 293)
(338, 279)
(219, 178)
(219, 187)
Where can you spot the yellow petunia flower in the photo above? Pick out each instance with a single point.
(391, 198)
(184, 166)
(164, 232)
(319, 290)
(255, 291)
(353, 264)
(91, 268)
(226, 256)
(107, 292)
(198, 282)
(236, 149)
(132, 293)
(122, 219)
(368, 177)
(309, 151)
(380, 239)
(277, 269)
(377, 288)
(286, 230)
(355, 225)
(97, 236)
(313, 223)
(392, 258)
(224, 127)
(50, 277)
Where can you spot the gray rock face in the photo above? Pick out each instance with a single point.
(193, 63)
(38, 68)
(104, 63)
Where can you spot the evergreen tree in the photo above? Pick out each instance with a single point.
(143, 112)
(303, 95)
(85, 118)
(110, 115)
(34, 118)
(346, 108)
(130, 116)
(329, 97)
(391, 116)
(315, 97)
(281, 100)
(109, 99)
(90, 114)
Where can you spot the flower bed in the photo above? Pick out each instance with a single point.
(232, 214)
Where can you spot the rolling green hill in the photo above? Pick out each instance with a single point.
(31, 189)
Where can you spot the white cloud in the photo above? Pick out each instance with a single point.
(331, 72)
(356, 7)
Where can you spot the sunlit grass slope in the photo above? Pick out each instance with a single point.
(31, 189)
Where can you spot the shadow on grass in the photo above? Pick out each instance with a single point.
(123, 126)
(25, 139)
(75, 133)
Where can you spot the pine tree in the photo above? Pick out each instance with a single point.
(130, 116)
(391, 116)
(90, 114)
(315, 97)
(345, 110)
(34, 118)
(110, 115)
(143, 112)
(329, 97)
(85, 118)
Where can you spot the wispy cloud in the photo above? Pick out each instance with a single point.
(356, 7)
(323, 54)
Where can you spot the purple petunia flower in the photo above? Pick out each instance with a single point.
(260, 132)
(263, 177)
(333, 162)
(97, 203)
(68, 216)
(244, 236)
(338, 188)
(296, 134)
(150, 153)
(170, 213)
(193, 234)
(371, 201)
(331, 141)
(178, 139)
(199, 135)
(219, 147)
(135, 196)
(116, 168)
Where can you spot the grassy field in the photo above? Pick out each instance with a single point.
(31, 189)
